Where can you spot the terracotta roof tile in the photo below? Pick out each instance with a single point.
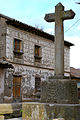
(75, 72)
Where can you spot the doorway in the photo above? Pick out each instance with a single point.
(17, 89)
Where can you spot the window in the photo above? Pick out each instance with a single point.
(37, 50)
(37, 84)
(37, 53)
(18, 45)
(18, 48)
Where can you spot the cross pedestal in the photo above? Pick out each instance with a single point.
(60, 91)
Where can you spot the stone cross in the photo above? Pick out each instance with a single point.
(59, 16)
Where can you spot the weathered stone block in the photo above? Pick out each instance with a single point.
(33, 111)
(61, 91)
(42, 111)
(10, 108)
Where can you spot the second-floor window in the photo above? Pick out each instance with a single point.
(37, 53)
(18, 48)
(17, 45)
(37, 50)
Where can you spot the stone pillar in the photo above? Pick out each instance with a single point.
(59, 16)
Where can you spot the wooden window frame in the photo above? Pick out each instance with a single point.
(37, 53)
(18, 52)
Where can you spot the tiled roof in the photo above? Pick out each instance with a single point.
(25, 27)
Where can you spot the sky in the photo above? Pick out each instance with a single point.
(32, 12)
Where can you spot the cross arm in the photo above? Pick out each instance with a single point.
(50, 17)
(68, 15)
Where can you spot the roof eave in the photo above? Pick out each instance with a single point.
(23, 26)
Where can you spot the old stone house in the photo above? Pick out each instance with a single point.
(27, 57)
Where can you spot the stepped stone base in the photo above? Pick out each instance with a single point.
(42, 111)
(10, 110)
(61, 91)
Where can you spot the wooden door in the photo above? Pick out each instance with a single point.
(17, 88)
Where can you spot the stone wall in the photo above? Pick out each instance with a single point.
(29, 41)
(27, 83)
(8, 85)
(27, 68)
(2, 37)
